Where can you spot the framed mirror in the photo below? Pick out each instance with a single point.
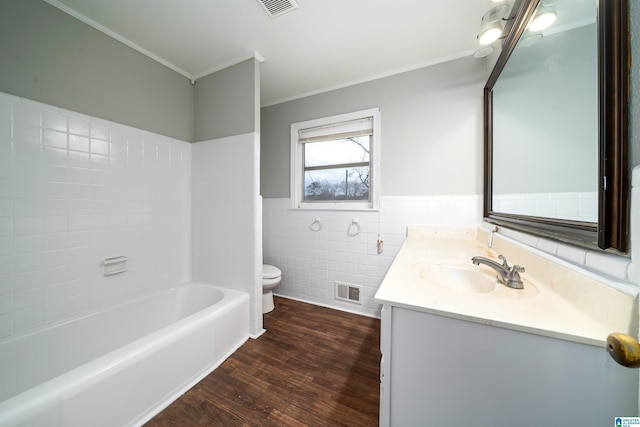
(555, 108)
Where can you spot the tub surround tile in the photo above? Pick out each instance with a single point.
(6, 303)
(225, 245)
(6, 324)
(72, 191)
(27, 319)
(26, 299)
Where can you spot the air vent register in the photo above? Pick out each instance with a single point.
(276, 8)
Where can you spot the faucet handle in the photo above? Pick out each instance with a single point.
(514, 277)
(518, 268)
(504, 261)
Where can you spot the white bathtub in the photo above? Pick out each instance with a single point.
(122, 365)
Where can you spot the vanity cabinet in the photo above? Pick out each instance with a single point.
(441, 371)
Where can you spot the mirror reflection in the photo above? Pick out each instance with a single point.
(545, 119)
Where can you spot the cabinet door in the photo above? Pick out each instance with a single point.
(385, 349)
(452, 372)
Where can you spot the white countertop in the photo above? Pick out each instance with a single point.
(537, 309)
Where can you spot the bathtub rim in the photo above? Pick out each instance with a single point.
(106, 307)
(64, 386)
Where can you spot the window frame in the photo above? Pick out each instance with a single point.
(297, 163)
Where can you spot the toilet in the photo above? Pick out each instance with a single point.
(270, 279)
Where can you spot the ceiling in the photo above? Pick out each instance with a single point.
(322, 45)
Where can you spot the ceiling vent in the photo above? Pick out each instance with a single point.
(276, 8)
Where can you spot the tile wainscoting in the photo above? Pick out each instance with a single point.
(579, 206)
(312, 261)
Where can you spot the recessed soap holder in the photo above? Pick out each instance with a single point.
(114, 265)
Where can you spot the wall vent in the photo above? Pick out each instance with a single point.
(276, 8)
(348, 292)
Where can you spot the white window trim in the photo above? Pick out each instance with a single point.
(297, 173)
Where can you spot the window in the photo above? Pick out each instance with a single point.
(334, 161)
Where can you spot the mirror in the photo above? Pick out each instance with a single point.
(556, 124)
(543, 166)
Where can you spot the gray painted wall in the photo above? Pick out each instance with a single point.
(226, 102)
(51, 57)
(431, 129)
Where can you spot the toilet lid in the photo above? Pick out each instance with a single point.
(270, 272)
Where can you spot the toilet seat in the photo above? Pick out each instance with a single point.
(270, 272)
(271, 277)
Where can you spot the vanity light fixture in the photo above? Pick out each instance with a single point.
(491, 24)
(490, 34)
(543, 18)
(491, 28)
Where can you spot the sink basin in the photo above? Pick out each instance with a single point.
(457, 277)
(470, 279)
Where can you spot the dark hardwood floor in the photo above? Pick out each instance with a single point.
(313, 367)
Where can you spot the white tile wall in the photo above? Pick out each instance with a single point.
(312, 261)
(73, 190)
(607, 265)
(579, 206)
(634, 227)
(227, 235)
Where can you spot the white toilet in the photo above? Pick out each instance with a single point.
(271, 277)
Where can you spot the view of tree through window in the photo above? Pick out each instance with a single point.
(337, 169)
(335, 161)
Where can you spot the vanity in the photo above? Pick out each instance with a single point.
(460, 348)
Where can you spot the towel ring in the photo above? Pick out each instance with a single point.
(354, 228)
(316, 225)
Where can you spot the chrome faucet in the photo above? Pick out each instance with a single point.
(508, 276)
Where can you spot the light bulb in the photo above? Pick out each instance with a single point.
(490, 35)
(491, 24)
(543, 19)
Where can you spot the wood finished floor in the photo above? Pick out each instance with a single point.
(313, 367)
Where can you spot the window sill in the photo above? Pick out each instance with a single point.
(335, 208)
